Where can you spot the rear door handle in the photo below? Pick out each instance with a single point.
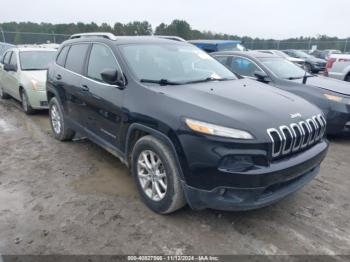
(84, 88)
(58, 77)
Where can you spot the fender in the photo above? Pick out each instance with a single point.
(157, 134)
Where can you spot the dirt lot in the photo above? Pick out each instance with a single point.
(75, 198)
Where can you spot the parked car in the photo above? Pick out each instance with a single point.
(279, 53)
(338, 67)
(332, 96)
(23, 76)
(188, 128)
(218, 45)
(324, 54)
(312, 64)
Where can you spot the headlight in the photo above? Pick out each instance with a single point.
(34, 85)
(211, 129)
(333, 97)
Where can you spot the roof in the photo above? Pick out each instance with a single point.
(215, 42)
(254, 54)
(120, 40)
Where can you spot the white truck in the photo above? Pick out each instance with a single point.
(338, 66)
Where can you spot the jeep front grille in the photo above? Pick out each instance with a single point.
(297, 136)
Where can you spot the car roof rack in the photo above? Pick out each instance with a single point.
(99, 34)
(171, 37)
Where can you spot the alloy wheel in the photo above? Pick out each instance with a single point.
(152, 175)
(55, 119)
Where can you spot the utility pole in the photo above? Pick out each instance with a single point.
(346, 45)
(3, 35)
(54, 37)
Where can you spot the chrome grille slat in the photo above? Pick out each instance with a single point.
(296, 136)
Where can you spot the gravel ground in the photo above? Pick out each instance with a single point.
(76, 198)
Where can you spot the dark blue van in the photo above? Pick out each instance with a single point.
(219, 45)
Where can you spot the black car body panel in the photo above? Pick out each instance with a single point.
(314, 90)
(111, 116)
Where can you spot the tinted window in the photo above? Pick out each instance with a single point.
(76, 56)
(7, 57)
(61, 59)
(222, 59)
(36, 60)
(101, 58)
(243, 66)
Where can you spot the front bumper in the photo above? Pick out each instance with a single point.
(258, 187)
(38, 99)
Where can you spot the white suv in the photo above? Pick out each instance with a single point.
(23, 76)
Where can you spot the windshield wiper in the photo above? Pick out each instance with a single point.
(299, 77)
(162, 82)
(208, 79)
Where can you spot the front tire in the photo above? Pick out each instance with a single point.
(308, 67)
(27, 108)
(347, 78)
(58, 124)
(3, 94)
(157, 176)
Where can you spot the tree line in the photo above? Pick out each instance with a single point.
(29, 33)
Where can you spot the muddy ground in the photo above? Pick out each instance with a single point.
(76, 198)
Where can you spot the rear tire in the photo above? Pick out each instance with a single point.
(3, 94)
(27, 108)
(157, 176)
(58, 124)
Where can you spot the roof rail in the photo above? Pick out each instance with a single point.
(98, 34)
(171, 37)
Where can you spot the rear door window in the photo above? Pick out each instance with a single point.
(244, 67)
(61, 59)
(76, 57)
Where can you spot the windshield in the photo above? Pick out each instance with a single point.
(282, 68)
(281, 54)
(173, 62)
(300, 54)
(36, 60)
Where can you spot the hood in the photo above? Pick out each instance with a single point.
(244, 104)
(315, 60)
(37, 75)
(296, 60)
(330, 84)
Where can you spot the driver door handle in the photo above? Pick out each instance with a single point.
(58, 77)
(84, 87)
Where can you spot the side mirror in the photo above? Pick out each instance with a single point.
(113, 77)
(262, 76)
(8, 67)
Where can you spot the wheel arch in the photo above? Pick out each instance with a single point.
(136, 131)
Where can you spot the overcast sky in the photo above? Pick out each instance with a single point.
(256, 18)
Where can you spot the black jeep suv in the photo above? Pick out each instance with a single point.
(188, 128)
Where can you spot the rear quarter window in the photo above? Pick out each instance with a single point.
(76, 57)
(61, 58)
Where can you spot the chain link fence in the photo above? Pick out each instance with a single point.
(343, 45)
(21, 38)
(307, 44)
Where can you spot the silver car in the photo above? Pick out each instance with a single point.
(23, 76)
(338, 67)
